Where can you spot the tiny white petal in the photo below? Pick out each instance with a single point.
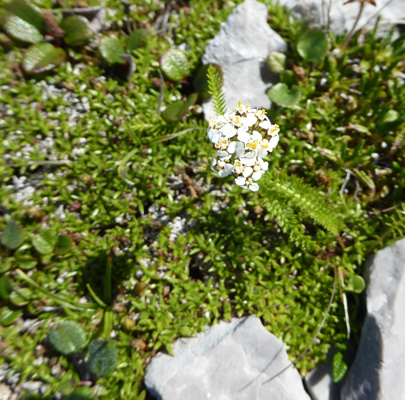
(214, 135)
(248, 159)
(232, 147)
(256, 136)
(257, 175)
(240, 180)
(223, 155)
(214, 163)
(254, 187)
(228, 168)
(247, 171)
(262, 153)
(228, 131)
(243, 135)
(240, 149)
(249, 120)
(273, 142)
(265, 124)
(250, 155)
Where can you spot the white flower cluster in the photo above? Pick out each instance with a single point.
(242, 137)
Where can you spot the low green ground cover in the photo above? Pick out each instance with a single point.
(93, 241)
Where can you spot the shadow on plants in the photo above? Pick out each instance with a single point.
(104, 273)
(227, 232)
(69, 339)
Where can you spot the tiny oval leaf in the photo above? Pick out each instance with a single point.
(339, 367)
(110, 49)
(8, 316)
(284, 96)
(12, 235)
(26, 262)
(313, 45)
(177, 110)
(276, 62)
(67, 338)
(356, 284)
(5, 288)
(28, 13)
(21, 30)
(42, 57)
(175, 65)
(136, 38)
(76, 30)
(20, 297)
(64, 245)
(45, 242)
(102, 358)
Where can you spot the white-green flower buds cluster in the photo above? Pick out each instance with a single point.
(242, 138)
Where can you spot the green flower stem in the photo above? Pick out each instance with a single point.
(95, 297)
(107, 323)
(57, 299)
(107, 282)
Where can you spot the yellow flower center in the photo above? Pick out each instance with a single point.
(253, 145)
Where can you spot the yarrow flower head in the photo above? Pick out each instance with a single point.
(242, 139)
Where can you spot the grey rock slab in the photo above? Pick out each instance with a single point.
(230, 361)
(377, 372)
(342, 16)
(241, 48)
(319, 382)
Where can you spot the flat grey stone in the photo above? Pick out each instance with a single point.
(377, 372)
(342, 16)
(319, 382)
(230, 361)
(241, 48)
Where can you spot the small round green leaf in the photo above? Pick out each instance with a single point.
(176, 111)
(110, 49)
(175, 65)
(5, 288)
(356, 284)
(42, 57)
(68, 338)
(45, 242)
(8, 316)
(102, 358)
(76, 30)
(313, 45)
(276, 62)
(284, 96)
(390, 116)
(64, 244)
(201, 81)
(18, 29)
(20, 297)
(12, 236)
(339, 367)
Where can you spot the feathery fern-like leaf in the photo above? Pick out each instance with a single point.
(302, 201)
(215, 90)
(289, 223)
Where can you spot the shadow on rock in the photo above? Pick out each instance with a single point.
(362, 381)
